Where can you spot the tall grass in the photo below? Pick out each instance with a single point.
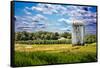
(40, 58)
(68, 54)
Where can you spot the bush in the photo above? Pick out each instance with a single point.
(44, 42)
(90, 39)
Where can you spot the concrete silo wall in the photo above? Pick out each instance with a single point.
(78, 34)
(82, 34)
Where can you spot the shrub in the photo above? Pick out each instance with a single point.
(44, 42)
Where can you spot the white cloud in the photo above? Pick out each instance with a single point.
(68, 29)
(68, 10)
(49, 8)
(40, 17)
(44, 8)
(30, 22)
(73, 12)
(27, 8)
(27, 12)
(63, 29)
(78, 12)
(63, 20)
(36, 18)
(37, 8)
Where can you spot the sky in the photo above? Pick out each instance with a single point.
(32, 17)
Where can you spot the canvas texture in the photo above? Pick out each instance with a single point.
(51, 33)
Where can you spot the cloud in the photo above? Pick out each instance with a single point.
(74, 12)
(49, 8)
(30, 22)
(63, 16)
(65, 29)
(66, 21)
(34, 19)
(43, 8)
(91, 28)
(26, 11)
(39, 17)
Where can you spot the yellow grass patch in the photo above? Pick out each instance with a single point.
(55, 48)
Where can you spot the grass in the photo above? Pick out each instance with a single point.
(26, 55)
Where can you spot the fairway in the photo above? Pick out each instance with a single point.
(53, 54)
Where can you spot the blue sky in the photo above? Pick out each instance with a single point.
(34, 17)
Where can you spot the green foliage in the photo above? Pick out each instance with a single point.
(66, 35)
(56, 54)
(41, 35)
(40, 58)
(44, 42)
(23, 36)
(90, 38)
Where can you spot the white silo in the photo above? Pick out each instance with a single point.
(78, 32)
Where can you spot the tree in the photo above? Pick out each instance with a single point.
(66, 35)
(90, 38)
(18, 36)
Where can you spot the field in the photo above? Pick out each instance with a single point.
(40, 54)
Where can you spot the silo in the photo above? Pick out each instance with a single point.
(78, 32)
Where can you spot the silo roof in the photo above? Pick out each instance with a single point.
(78, 22)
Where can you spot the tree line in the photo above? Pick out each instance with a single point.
(40, 35)
(43, 37)
(90, 38)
